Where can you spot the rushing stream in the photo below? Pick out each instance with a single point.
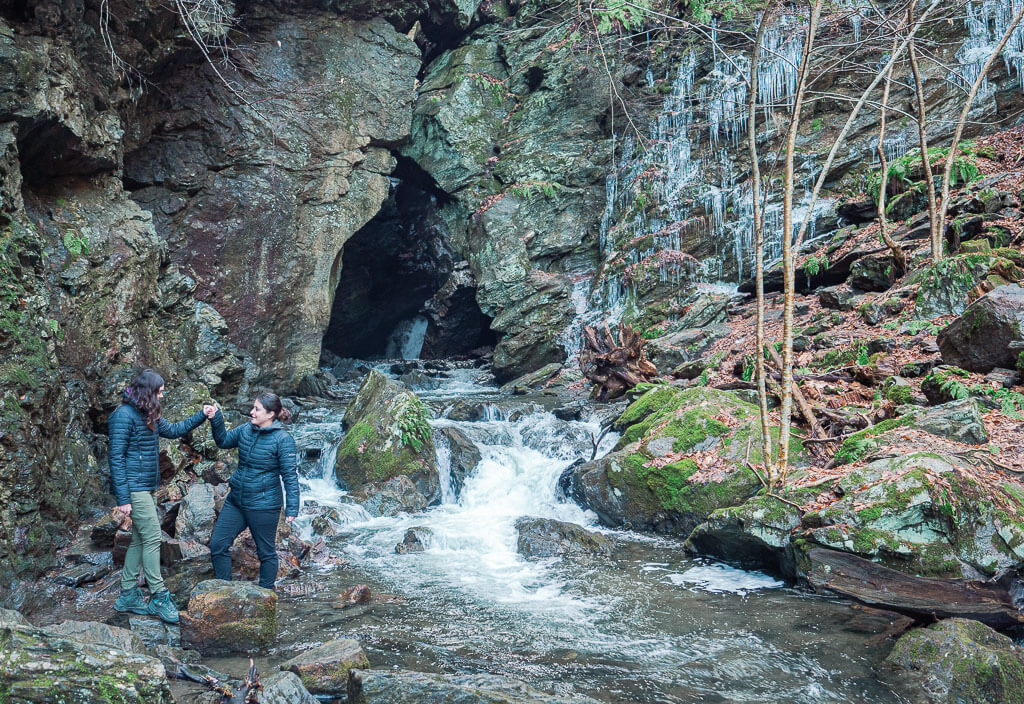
(649, 625)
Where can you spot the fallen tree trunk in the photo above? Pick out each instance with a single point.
(246, 693)
(614, 367)
(923, 597)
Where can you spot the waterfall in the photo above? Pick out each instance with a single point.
(443, 454)
(406, 340)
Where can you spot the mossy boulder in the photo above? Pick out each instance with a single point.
(37, 665)
(388, 435)
(945, 286)
(755, 534)
(982, 338)
(653, 481)
(229, 617)
(960, 661)
(324, 669)
(922, 514)
(959, 420)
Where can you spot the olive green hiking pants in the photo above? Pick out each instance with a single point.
(144, 550)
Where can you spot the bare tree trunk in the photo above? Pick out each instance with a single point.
(755, 180)
(899, 258)
(947, 172)
(934, 236)
(778, 474)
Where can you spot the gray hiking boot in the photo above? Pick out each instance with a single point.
(161, 606)
(131, 600)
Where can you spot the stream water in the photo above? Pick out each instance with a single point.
(648, 625)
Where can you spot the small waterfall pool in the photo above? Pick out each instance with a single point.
(648, 625)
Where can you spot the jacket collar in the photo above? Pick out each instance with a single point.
(276, 425)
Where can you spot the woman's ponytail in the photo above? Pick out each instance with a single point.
(272, 403)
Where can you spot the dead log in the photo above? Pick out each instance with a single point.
(922, 597)
(247, 693)
(614, 367)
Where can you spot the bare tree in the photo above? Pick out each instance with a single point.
(899, 258)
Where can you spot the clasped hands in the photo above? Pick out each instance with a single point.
(210, 410)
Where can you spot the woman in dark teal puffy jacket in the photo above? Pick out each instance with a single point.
(266, 457)
(136, 427)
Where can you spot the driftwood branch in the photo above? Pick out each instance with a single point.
(247, 693)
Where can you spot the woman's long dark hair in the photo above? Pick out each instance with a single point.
(143, 393)
(272, 402)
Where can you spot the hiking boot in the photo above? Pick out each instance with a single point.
(161, 606)
(131, 600)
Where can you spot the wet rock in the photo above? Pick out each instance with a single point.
(872, 273)
(390, 498)
(322, 526)
(462, 452)
(420, 381)
(414, 540)
(317, 384)
(153, 632)
(570, 412)
(533, 380)
(78, 575)
(284, 688)
(38, 663)
(463, 410)
(229, 617)
(920, 514)
(755, 535)
(324, 670)
(629, 487)
(173, 551)
(670, 351)
(985, 335)
(962, 661)
(404, 687)
(359, 594)
(546, 537)
(945, 287)
(196, 514)
(838, 298)
(100, 634)
(388, 438)
(102, 534)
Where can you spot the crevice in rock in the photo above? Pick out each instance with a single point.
(402, 266)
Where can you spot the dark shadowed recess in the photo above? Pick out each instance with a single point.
(395, 268)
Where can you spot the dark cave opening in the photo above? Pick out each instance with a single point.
(399, 273)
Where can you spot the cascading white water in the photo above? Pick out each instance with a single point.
(406, 342)
(646, 625)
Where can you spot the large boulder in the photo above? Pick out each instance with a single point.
(922, 514)
(669, 351)
(285, 688)
(405, 687)
(546, 537)
(225, 617)
(756, 534)
(396, 495)
(946, 286)
(959, 661)
(461, 453)
(983, 337)
(324, 669)
(100, 634)
(653, 479)
(42, 666)
(388, 436)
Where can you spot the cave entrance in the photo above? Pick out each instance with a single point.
(402, 291)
